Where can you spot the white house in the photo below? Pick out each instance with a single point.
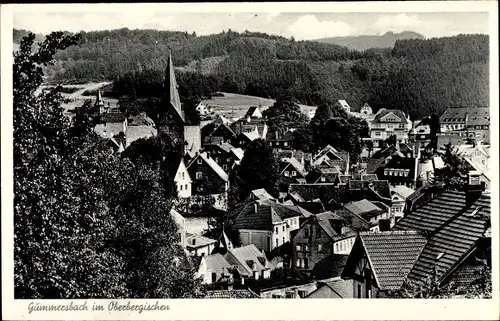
(203, 109)
(183, 181)
(198, 245)
(388, 122)
(213, 268)
(399, 194)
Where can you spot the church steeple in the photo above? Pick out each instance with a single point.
(99, 102)
(170, 87)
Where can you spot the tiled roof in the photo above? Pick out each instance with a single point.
(140, 120)
(216, 262)
(363, 208)
(112, 118)
(262, 219)
(231, 294)
(238, 152)
(295, 164)
(325, 192)
(199, 240)
(323, 220)
(343, 288)
(250, 259)
(365, 188)
(250, 111)
(251, 136)
(311, 207)
(457, 114)
(392, 255)
(384, 112)
(261, 194)
(226, 147)
(453, 229)
(213, 165)
(399, 163)
(402, 190)
(329, 267)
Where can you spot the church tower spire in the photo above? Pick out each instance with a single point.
(99, 102)
(170, 86)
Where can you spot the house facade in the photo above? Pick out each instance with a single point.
(183, 181)
(319, 237)
(457, 118)
(198, 245)
(388, 122)
(213, 268)
(207, 176)
(249, 263)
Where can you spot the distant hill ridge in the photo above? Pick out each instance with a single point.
(418, 76)
(364, 42)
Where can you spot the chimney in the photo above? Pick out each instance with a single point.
(474, 188)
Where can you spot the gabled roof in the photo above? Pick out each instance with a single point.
(392, 255)
(250, 259)
(170, 87)
(324, 221)
(380, 188)
(402, 190)
(223, 126)
(140, 120)
(295, 164)
(216, 262)
(362, 208)
(453, 229)
(330, 267)
(457, 114)
(251, 111)
(199, 241)
(261, 194)
(212, 164)
(226, 147)
(99, 101)
(379, 117)
(251, 136)
(238, 152)
(325, 192)
(254, 216)
(343, 104)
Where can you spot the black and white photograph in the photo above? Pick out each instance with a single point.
(247, 154)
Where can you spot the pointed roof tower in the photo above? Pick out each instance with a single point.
(99, 101)
(170, 86)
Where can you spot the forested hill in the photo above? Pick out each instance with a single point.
(364, 42)
(418, 76)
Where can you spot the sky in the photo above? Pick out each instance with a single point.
(302, 26)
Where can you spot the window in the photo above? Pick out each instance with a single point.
(199, 161)
(297, 247)
(285, 143)
(359, 291)
(294, 173)
(182, 175)
(320, 247)
(298, 262)
(376, 133)
(306, 232)
(336, 247)
(283, 228)
(286, 174)
(181, 187)
(214, 277)
(186, 186)
(198, 175)
(306, 248)
(277, 242)
(276, 230)
(283, 240)
(318, 232)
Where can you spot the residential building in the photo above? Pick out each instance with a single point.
(222, 155)
(203, 109)
(331, 195)
(139, 126)
(324, 174)
(445, 235)
(253, 112)
(208, 177)
(334, 289)
(465, 118)
(388, 122)
(280, 141)
(381, 261)
(198, 245)
(320, 236)
(399, 194)
(266, 224)
(371, 190)
(396, 169)
(111, 124)
(212, 268)
(221, 134)
(364, 215)
(292, 171)
(259, 195)
(477, 154)
(344, 105)
(258, 126)
(183, 181)
(248, 263)
(243, 140)
(223, 244)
